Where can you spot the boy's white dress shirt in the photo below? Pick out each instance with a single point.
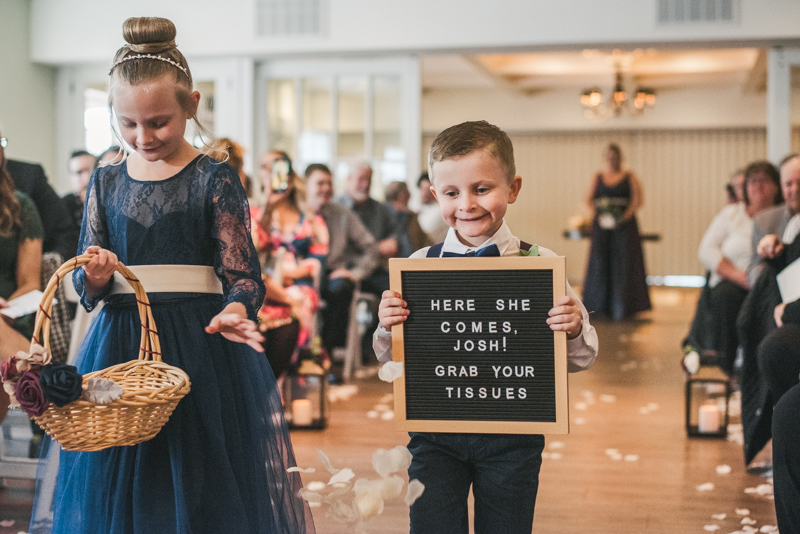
(581, 351)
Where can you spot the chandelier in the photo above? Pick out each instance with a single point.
(594, 106)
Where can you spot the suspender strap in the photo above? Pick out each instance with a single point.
(435, 251)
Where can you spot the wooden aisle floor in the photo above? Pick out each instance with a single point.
(652, 489)
(632, 400)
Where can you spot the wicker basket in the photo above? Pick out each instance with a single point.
(151, 387)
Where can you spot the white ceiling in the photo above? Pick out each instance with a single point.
(659, 69)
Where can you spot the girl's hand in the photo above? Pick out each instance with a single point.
(392, 309)
(234, 327)
(100, 269)
(566, 317)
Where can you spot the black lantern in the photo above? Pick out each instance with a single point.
(708, 393)
(305, 396)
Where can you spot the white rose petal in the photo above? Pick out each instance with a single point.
(369, 504)
(742, 511)
(326, 463)
(311, 496)
(102, 390)
(723, 469)
(391, 371)
(581, 406)
(631, 457)
(316, 485)
(385, 462)
(372, 414)
(608, 398)
(719, 517)
(748, 521)
(711, 528)
(556, 445)
(345, 475)
(768, 528)
(414, 491)
(556, 455)
(708, 486)
(387, 416)
(301, 470)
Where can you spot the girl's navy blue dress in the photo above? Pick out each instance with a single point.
(220, 463)
(615, 286)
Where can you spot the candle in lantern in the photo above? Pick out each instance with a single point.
(301, 412)
(709, 419)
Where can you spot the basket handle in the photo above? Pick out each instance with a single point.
(149, 345)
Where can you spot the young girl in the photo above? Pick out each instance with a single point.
(220, 463)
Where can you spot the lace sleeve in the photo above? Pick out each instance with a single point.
(93, 232)
(235, 259)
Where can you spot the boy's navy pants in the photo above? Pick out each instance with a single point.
(503, 470)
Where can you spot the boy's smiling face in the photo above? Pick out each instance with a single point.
(473, 193)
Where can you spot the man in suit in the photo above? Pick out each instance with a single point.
(352, 255)
(60, 233)
(774, 220)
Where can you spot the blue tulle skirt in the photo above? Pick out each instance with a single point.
(218, 465)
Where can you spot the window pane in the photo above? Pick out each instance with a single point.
(314, 143)
(350, 130)
(282, 115)
(387, 142)
(97, 119)
(386, 116)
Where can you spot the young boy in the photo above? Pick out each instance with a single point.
(473, 177)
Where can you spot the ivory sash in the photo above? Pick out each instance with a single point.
(170, 279)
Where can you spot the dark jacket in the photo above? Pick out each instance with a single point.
(60, 232)
(754, 323)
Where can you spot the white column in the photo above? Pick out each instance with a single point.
(779, 94)
(779, 128)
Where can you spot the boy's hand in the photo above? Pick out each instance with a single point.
(392, 309)
(566, 317)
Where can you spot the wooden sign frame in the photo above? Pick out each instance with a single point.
(522, 263)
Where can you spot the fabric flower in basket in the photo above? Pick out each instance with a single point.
(124, 404)
(33, 381)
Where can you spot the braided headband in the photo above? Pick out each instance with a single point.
(150, 56)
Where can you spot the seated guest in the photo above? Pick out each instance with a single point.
(726, 251)
(775, 220)
(352, 255)
(60, 234)
(410, 236)
(285, 222)
(430, 216)
(81, 166)
(377, 219)
(20, 263)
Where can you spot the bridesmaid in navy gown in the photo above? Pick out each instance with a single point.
(615, 286)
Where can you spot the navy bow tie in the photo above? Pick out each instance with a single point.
(491, 250)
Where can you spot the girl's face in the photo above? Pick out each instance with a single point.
(613, 160)
(151, 120)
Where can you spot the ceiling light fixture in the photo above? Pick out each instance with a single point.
(619, 102)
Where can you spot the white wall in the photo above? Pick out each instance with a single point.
(89, 30)
(27, 91)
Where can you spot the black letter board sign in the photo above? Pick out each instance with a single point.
(478, 353)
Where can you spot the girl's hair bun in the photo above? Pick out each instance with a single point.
(149, 35)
